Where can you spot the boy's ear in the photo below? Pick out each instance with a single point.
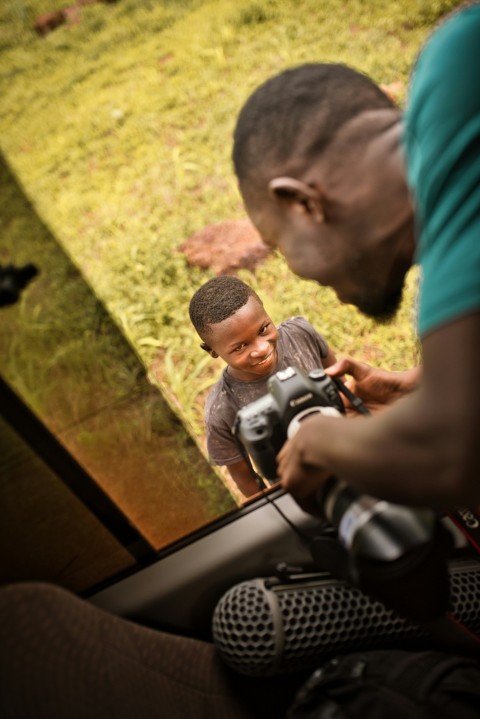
(299, 196)
(208, 349)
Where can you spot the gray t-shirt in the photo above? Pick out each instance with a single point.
(299, 345)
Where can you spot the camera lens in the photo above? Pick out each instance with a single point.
(375, 528)
(294, 425)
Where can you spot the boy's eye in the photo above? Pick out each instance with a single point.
(239, 348)
(264, 329)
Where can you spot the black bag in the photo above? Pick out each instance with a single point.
(392, 684)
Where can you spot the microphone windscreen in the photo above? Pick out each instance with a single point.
(262, 627)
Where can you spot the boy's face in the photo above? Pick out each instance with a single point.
(246, 341)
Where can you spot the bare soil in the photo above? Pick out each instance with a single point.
(225, 247)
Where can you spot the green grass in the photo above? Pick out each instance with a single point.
(119, 128)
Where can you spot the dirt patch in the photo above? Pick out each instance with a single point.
(225, 247)
(69, 15)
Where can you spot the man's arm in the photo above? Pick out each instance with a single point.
(423, 450)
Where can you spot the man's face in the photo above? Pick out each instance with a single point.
(364, 246)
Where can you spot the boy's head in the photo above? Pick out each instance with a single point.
(230, 318)
(217, 300)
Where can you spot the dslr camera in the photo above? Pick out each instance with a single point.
(263, 426)
(392, 552)
(379, 545)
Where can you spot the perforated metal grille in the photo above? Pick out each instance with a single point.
(244, 628)
(318, 619)
(465, 594)
(333, 618)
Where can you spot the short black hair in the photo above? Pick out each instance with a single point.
(295, 115)
(217, 300)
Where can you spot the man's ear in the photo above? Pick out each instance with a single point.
(300, 196)
(208, 349)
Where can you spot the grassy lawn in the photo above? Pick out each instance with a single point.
(118, 126)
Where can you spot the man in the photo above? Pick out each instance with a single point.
(353, 193)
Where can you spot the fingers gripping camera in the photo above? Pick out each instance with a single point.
(264, 426)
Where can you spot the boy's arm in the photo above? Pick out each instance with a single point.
(242, 476)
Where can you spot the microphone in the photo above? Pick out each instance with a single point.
(266, 626)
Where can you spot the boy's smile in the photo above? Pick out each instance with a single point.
(246, 341)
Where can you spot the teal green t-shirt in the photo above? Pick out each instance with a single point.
(442, 142)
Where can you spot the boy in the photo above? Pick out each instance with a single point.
(230, 318)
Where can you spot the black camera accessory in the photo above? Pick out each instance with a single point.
(396, 554)
(398, 683)
(271, 625)
(13, 280)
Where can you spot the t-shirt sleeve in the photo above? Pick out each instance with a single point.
(442, 141)
(307, 336)
(219, 418)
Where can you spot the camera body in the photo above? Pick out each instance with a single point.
(264, 425)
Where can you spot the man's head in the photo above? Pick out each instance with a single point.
(231, 320)
(318, 160)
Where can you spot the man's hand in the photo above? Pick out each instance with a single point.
(377, 388)
(300, 465)
(303, 462)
